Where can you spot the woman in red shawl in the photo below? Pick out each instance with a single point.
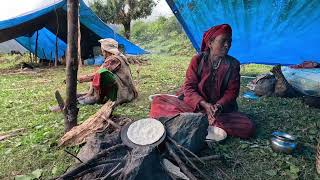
(211, 85)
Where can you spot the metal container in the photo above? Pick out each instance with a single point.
(283, 142)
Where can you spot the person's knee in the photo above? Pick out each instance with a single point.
(251, 127)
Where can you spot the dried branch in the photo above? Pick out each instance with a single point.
(93, 161)
(117, 172)
(207, 158)
(73, 155)
(112, 171)
(92, 169)
(182, 166)
(185, 149)
(191, 163)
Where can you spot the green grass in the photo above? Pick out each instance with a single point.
(25, 98)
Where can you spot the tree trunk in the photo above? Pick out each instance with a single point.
(70, 108)
(126, 26)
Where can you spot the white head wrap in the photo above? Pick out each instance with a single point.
(109, 45)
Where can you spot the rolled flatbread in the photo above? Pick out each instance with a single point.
(145, 131)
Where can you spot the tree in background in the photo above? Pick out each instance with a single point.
(122, 11)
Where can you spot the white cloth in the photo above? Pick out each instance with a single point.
(109, 45)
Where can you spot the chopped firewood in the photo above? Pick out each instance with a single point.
(96, 122)
(11, 133)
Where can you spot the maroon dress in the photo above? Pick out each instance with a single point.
(208, 86)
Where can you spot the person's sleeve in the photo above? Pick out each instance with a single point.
(86, 78)
(191, 92)
(232, 91)
(112, 64)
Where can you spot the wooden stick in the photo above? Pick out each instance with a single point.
(71, 108)
(11, 133)
(182, 166)
(207, 158)
(318, 158)
(117, 173)
(59, 100)
(185, 149)
(91, 169)
(82, 167)
(191, 163)
(73, 155)
(169, 173)
(36, 48)
(111, 122)
(112, 171)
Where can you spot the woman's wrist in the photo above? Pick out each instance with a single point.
(219, 106)
(203, 104)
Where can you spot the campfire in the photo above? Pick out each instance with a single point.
(172, 156)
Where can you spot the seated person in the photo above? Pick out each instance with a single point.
(211, 86)
(112, 81)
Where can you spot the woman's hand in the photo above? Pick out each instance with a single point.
(212, 111)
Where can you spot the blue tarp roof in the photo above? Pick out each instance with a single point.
(95, 30)
(264, 31)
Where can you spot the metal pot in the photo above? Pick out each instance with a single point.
(283, 142)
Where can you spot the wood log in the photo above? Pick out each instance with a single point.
(96, 122)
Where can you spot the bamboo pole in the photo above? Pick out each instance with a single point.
(71, 109)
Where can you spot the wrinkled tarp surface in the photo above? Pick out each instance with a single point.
(306, 81)
(46, 38)
(264, 31)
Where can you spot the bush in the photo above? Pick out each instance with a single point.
(162, 36)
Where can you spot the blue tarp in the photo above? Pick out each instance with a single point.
(47, 39)
(264, 31)
(46, 44)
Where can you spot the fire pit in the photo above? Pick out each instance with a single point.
(110, 156)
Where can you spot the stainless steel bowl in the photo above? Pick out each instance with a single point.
(283, 142)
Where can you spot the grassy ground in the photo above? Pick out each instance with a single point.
(25, 98)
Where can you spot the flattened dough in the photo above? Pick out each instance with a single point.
(145, 131)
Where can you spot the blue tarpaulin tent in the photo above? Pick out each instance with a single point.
(51, 20)
(264, 31)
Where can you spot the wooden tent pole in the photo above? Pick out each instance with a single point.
(79, 40)
(57, 32)
(70, 108)
(36, 48)
(318, 157)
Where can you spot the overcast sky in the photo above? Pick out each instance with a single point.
(13, 8)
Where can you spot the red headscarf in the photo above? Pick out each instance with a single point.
(214, 32)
